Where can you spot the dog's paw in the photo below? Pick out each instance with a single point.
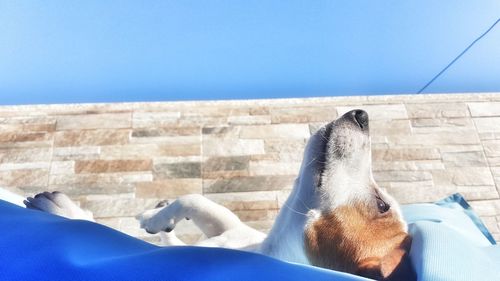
(156, 220)
(57, 203)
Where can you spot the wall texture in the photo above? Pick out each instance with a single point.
(120, 159)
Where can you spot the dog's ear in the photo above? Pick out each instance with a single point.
(395, 266)
(370, 268)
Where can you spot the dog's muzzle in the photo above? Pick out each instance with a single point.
(357, 117)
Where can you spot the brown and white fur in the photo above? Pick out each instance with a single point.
(336, 216)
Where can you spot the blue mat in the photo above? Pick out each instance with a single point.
(448, 244)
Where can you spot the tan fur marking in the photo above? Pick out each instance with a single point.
(357, 239)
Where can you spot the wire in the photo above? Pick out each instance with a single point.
(459, 56)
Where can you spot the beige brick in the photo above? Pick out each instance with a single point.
(62, 167)
(94, 121)
(487, 125)
(249, 120)
(232, 147)
(76, 153)
(170, 189)
(402, 176)
(464, 159)
(437, 110)
(119, 207)
(24, 178)
(112, 166)
(91, 138)
(303, 114)
(390, 127)
(468, 176)
(257, 168)
(378, 112)
(155, 119)
(405, 154)
(482, 109)
(24, 166)
(281, 131)
(445, 138)
(25, 155)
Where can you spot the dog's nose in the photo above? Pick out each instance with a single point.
(358, 116)
(361, 117)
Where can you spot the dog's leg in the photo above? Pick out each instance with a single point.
(170, 239)
(212, 219)
(59, 204)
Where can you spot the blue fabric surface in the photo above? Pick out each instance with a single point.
(40, 246)
(448, 244)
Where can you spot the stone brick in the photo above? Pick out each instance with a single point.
(487, 124)
(249, 120)
(24, 166)
(75, 153)
(266, 167)
(119, 207)
(88, 187)
(62, 167)
(94, 121)
(469, 176)
(97, 179)
(257, 183)
(285, 146)
(449, 125)
(91, 137)
(25, 155)
(491, 223)
(443, 123)
(154, 119)
(24, 178)
(221, 132)
(492, 148)
(165, 132)
(389, 127)
(173, 150)
(484, 109)
(24, 137)
(28, 124)
(177, 170)
(303, 114)
(280, 131)
(486, 207)
(112, 166)
(226, 163)
(420, 165)
(402, 176)
(444, 138)
(398, 154)
(437, 110)
(256, 200)
(378, 112)
(232, 147)
(464, 159)
(168, 189)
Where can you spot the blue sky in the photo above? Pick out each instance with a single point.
(102, 51)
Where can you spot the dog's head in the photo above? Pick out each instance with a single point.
(355, 227)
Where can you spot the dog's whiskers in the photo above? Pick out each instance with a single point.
(291, 209)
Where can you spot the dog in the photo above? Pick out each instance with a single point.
(336, 216)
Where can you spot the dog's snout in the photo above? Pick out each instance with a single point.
(359, 117)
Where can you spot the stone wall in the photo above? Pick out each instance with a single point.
(120, 159)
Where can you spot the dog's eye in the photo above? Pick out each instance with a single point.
(382, 206)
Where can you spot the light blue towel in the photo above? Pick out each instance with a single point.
(451, 243)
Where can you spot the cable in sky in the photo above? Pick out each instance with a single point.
(459, 56)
